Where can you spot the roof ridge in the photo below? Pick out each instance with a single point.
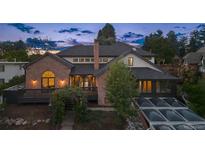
(62, 60)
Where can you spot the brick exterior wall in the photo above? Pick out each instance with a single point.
(101, 84)
(35, 71)
(96, 54)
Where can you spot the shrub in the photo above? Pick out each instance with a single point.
(80, 106)
(58, 112)
(63, 96)
(80, 111)
(196, 96)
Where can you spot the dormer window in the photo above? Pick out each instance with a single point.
(130, 61)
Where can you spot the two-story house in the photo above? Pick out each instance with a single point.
(86, 66)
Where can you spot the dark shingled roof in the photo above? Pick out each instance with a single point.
(84, 69)
(101, 71)
(194, 57)
(151, 74)
(105, 50)
(57, 58)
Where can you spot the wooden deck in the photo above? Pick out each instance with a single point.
(40, 95)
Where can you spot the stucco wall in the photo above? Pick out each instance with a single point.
(34, 72)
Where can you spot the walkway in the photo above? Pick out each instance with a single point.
(68, 121)
(101, 108)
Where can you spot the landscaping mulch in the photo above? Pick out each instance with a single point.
(30, 113)
(100, 120)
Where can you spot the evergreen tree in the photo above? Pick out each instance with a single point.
(106, 35)
(182, 47)
(195, 42)
(164, 47)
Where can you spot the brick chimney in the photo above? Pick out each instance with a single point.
(96, 54)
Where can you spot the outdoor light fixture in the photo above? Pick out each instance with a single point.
(62, 83)
(34, 82)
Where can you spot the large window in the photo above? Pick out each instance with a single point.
(130, 61)
(145, 86)
(83, 81)
(2, 68)
(48, 80)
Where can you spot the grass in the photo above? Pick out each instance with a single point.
(100, 120)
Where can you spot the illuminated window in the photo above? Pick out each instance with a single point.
(145, 86)
(75, 59)
(48, 79)
(130, 61)
(83, 81)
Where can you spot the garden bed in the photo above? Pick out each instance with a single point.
(26, 117)
(100, 120)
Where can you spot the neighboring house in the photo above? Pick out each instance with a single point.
(10, 69)
(196, 59)
(87, 67)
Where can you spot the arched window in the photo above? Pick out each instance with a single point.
(48, 79)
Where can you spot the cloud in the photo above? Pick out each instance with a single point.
(23, 27)
(36, 32)
(180, 34)
(131, 35)
(72, 41)
(75, 30)
(132, 38)
(179, 27)
(200, 26)
(60, 41)
(70, 30)
(41, 43)
(139, 41)
(87, 32)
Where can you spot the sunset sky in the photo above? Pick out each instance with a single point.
(69, 34)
